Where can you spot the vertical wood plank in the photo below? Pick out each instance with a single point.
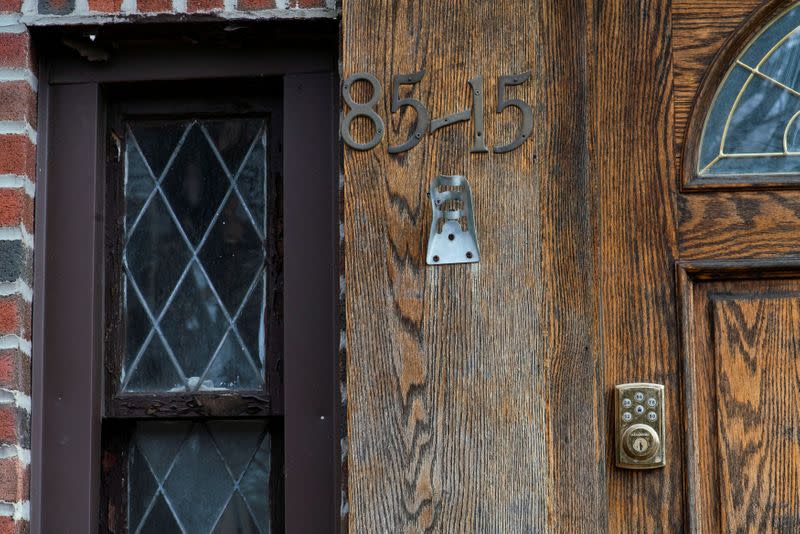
(446, 408)
(577, 498)
(631, 62)
(477, 395)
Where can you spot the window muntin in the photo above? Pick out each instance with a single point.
(752, 127)
(194, 306)
(199, 477)
(195, 279)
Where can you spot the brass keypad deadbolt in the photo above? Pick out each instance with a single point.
(639, 409)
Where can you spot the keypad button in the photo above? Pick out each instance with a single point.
(639, 410)
(652, 416)
(651, 402)
(639, 396)
(627, 416)
(626, 403)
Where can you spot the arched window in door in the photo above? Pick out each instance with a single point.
(753, 124)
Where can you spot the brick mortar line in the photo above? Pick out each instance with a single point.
(11, 24)
(17, 510)
(18, 181)
(19, 75)
(18, 128)
(32, 19)
(18, 287)
(15, 342)
(15, 451)
(81, 5)
(13, 397)
(30, 6)
(16, 233)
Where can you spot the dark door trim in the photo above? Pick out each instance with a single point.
(69, 259)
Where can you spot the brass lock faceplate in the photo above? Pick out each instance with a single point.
(639, 410)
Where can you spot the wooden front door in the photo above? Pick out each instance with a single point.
(480, 396)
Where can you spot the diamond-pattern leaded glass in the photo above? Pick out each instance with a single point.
(752, 127)
(195, 224)
(197, 478)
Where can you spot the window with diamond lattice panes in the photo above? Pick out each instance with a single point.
(199, 477)
(195, 278)
(195, 225)
(752, 127)
(189, 299)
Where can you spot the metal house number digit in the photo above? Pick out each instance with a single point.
(423, 118)
(527, 113)
(424, 123)
(362, 110)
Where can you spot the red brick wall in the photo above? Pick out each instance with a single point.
(18, 135)
(98, 10)
(17, 174)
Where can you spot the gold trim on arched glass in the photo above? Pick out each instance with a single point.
(752, 127)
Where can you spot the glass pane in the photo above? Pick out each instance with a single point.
(781, 66)
(157, 141)
(252, 324)
(142, 486)
(251, 182)
(233, 255)
(233, 139)
(231, 368)
(195, 184)
(159, 441)
(194, 258)
(139, 184)
(159, 520)
(194, 324)
(137, 325)
(236, 518)
(154, 371)
(156, 255)
(751, 128)
(215, 480)
(759, 120)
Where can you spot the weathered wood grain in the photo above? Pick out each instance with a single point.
(569, 218)
(740, 225)
(633, 182)
(478, 395)
(757, 349)
(446, 389)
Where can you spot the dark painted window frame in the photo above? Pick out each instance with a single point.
(246, 97)
(69, 299)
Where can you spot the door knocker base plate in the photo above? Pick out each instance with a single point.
(453, 237)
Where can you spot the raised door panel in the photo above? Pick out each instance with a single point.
(743, 395)
(757, 350)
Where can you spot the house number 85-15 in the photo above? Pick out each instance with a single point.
(424, 122)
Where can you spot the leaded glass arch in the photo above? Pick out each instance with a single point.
(753, 126)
